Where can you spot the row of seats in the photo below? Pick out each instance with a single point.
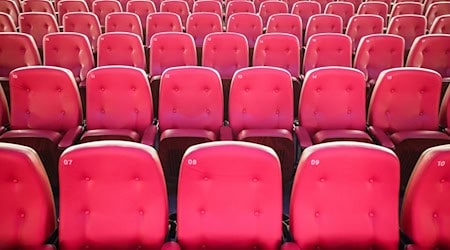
(403, 112)
(113, 195)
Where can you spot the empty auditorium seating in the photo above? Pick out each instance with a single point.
(27, 211)
(356, 3)
(323, 4)
(123, 22)
(200, 24)
(305, 9)
(121, 48)
(212, 6)
(4, 112)
(290, 4)
(286, 23)
(407, 26)
(46, 117)
(441, 25)
(425, 213)
(248, 24)
(127, 209)
(323, 23)
(101, 8)
(238, 7)
(179, 7)
(435, 10)
(407, 8)
(374, 8)
(66, 6)
(261, 111)
(9, 7)
(403, 114)
(257, 4)
(6, 23)
(84, 23)
(345, 196)
(229, 198)
(161, 22)
(190, 112)
(363, 25)
(387, 2)
(119, 105)
(343, 9)
(37, 24)
(327, 49)
(38, 6)
(270, 7)
(142, 8)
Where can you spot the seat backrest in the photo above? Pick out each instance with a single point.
(55, 105)
(323, 23)
(191, 97)
(9, 7)
(102, 8)
(170, 49)
(118, 97)
(270, 7)
(123, 22)
(134, 196)
(248, 24)
(121, 48)
(407, 26)
(6, 23)
(238, 7)
(261, 97)
(17, 50)
(286, 23)
(305, 9)
(225, 52)
(84, 23)
(66, 6)
(405, 8)
(356, 3)
(37, 24)
(69, 50)
(405, 99)
(278, 50)
(161, 22)
(200, 24)
(374, 8)
(323, 4)
(432, 52)
(343, 9)
(388, 2)
(237, 185)
(28, 210)
(327, 49)
(208, 6)
(363, 25)
(378, 52)
(142, 8)
(345, 195)
(258, 4)
(424, 212)
(435, 10)
(38, 6)
(441, 25)
(333, 98)
(179, 7)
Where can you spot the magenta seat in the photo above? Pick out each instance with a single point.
(123, 22)
(323, 23)
(161, 22)
(409, 27)
(121, 48)
(101, 8)
(6, 23)
(84, 23)
(286, 23)
(363, 25)
(248, 24)
(66, 6)
(343, 9)
(37, 24)
(374, 8)
(142, 8)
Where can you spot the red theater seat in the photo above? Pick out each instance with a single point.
(66, 6)
(161, 22)
(142, 8)
(271, 7)
(38, 6)
(84, 23)
(113, 196)
(374, 8)
(121, 48)
(407, 26)
(248, 24)
(343, 9)
(179, 7)
(10, 7)
(238, 7)
(6, 23)
(37, 24)
(323, 23)
(124, 22)
(305, 9)
(441, 25)
(406, 8)
(200, 24)
(435, 10)
(363, 25)
(212, 6)
(101, 8)
(286, 23)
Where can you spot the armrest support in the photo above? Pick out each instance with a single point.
(3, 129)
(302, 137)
(382, 138)
(70, 137)
(290, 246)
(172, 245)
(148, 138)
(155, 78)
(226, 134)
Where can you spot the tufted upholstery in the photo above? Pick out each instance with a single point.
(425, 213)
(46, 117)
(66, 6)
(121, 48)
(261, 111)
(212, 6)
(124, 210)
(179, 7)
(363, 25)
(142, 8)
(27, 211)
(356, 3)
(407, 8)
(9, 7)
(388, 2)
(374, 8)
(69, 50)
(343, 9)
(123, 22)
(270, 7)
(332, 106)
(435, 10)
(323, 23)
(200, 24)
(229, 197)
(101, 8)
(4, 111)
(305, 9)
(403, 113)
(190, 112)
(432, 52)
(257, 4)
(323, 4)
(37, 24)
(238, 7)
(6, 23)
(290, 4)
(85, 23)
(248, 24)
(407, 26)
(328, 49)
(161, 22)
(345, 196)
(118, 105)
(38, 6)
(16, 50)
(441, 25)
(286, 23)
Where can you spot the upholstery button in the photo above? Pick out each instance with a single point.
(174, 110)
(208, 111)
(138, 247)
(318, 90)
(136, 111)
(28, 89)
(22, 215)
(256, 213)
(317, 247)
(371, 214)
(141, 212)
(59, 89)
(87, 179)
(247, 89)
(87, 212)
(371, 180)
(276, 90)
(63, 112)
(421, 91)
(442, 180)
(205, 178)
(435, 215)
(421, 113)
(27, 112)
(15, 181)
(203, 246)
(392, 90)
(102, 111)
(255, 179)
(322, 179)
(202, 211)
(137, 179)
(317, 214)
(86, 247)
(133, 88)
(244, 111)
(102, 89)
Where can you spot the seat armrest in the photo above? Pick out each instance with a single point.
(382, 138)
(154, 78)
(290, 246)
(148, 138)
(3, 129)
(302, 137)
(447, 131)
(226, 134)
(70, 137)
(172, 245)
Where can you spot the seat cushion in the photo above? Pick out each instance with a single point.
(199, 133)
(341, 135)
(282, 133)
(32, 133)
(110, 134)
(400, 137)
